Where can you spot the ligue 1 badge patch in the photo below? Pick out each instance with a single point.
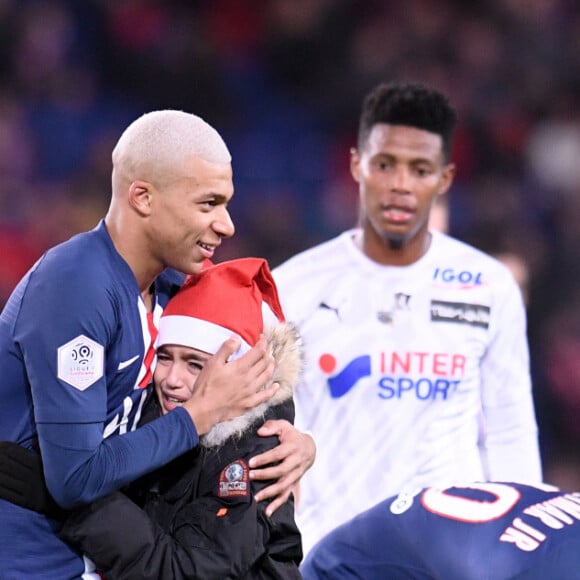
(80, 362)
(235, 480)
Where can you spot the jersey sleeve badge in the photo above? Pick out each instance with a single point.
(80, 362)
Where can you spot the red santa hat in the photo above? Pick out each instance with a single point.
(237, 297)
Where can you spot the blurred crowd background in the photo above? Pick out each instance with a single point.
(283, 81)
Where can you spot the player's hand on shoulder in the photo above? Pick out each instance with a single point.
(286, 463)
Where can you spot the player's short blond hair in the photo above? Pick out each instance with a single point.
(155, 144)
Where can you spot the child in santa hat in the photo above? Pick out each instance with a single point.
(198, 516)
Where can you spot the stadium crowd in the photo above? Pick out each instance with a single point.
(282, 80)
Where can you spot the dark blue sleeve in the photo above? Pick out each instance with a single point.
(80, 466)
(59, 305)
(68, 302)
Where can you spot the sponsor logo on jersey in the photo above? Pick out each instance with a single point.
(234, 480)
(80, 362)
(460, 313)
(427, 376)
(461, 279)
(344, 381)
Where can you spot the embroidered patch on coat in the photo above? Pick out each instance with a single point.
(80, 362)
(234, 480)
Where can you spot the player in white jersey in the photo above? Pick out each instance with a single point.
(417, 369)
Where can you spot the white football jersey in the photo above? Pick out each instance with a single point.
(415, 375)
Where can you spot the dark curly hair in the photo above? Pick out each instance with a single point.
(413, 105)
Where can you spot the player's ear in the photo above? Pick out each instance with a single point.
(140, 197)
(355, 164)
(447, 178)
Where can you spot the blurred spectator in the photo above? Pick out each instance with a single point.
(283, 80)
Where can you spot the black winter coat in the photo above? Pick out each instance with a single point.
(198, 519)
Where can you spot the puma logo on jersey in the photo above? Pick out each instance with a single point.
(325, 306)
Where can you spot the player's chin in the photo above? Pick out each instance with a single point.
(195, 267)
(403, 233)
(193, 264)
(395, 234)
(191, 268)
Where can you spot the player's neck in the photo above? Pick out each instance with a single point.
(130, 246)
(147, 297)
(392, 254)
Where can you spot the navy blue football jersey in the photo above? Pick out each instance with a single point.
(483, 531)
(76, 349)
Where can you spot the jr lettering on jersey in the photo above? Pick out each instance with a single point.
(553, 514)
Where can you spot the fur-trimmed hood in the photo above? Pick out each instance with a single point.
(286, 346)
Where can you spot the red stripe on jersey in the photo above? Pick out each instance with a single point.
(150, 355)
